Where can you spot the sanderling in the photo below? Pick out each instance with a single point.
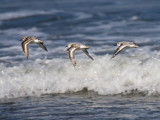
(72, 47)
(31, 40)
(123, 45)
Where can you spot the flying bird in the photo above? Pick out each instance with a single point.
(122, 45)
(72, 47)
(31, 40)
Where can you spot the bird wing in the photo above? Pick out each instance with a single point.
(86, 52)
(42, 46)
(119, 49)
(25, 47)
(70, 53)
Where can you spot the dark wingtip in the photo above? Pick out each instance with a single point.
(45, 48)
(74, 65)
(112, 56)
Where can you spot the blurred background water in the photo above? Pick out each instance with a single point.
(46, 86)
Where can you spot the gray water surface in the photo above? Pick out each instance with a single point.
(86, 106)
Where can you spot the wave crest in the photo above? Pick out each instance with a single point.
(104, 76)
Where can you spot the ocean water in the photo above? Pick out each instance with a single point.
(47, 86)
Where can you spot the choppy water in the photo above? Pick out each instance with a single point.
(81, 106)
(121, 87)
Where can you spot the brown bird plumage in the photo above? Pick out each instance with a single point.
(72, 47)
(31, 40)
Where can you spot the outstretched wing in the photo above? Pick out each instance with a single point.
(42, 46)
(119, 49)
(25, 47)
(86, 52)
(70, 53)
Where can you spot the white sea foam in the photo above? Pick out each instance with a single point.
(82, 15)
(23, 32)
(105, 76)
(134, 18)
(18, 14)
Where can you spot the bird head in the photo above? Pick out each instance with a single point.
(69, 45)
(119, 44)
(24, 38)
(134, 45)
(84, 46)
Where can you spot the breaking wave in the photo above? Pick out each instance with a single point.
(105, 76)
